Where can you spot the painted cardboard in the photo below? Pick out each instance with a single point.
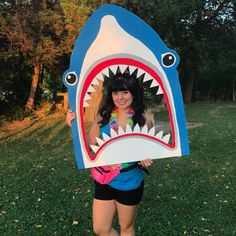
(115, 37)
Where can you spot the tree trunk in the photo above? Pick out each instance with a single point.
(34, 85)
(209, 92)
(189, 89)
(234, 91)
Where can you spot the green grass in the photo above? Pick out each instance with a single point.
(42, 192)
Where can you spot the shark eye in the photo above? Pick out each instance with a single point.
(71, 78)
(168, 59)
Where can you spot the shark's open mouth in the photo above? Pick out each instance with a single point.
(125, 65)
(116, 41)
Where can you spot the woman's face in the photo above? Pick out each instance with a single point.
(122, 99)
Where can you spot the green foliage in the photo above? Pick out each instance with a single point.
(203, 33)
(42, 34)
(42, 192)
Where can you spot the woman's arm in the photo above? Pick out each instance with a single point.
(94, 131)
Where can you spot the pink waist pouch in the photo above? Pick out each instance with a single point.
(104, 174)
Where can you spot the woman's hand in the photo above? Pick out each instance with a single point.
(70, 116)
(146, 163)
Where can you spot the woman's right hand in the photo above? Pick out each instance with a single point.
(70, 116)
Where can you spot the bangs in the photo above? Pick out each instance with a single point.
(119, 84)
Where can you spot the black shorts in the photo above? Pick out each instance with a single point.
(130, 197)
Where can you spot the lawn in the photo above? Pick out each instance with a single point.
(43, 193)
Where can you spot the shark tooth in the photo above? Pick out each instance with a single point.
(132, 69)
(128, 129)
(122, 68)
(159, 91)
(91, 89)
(159, 135)
(100, 77)
(100, 141)
(166, 138)
(154, 84)
(113, 133)
(152, 131)
(136, 128)
(105, 71)
(140, 72)
(147, 77)
(95, 81)
(120, 131)
(144, 129)
(94, 148)
(87, 97)
(85, 104)
(114, 69)
(105, 137)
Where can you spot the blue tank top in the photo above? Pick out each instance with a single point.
(127, 180)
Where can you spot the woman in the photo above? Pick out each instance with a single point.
(123, 105)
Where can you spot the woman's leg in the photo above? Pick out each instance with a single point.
(126, 215)
(103, 213)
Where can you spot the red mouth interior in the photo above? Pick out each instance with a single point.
(127, 62)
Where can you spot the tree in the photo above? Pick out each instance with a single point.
(191, 28)
(33, 31)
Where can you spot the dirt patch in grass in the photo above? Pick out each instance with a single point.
(194, 125)
(165, 125)
(8, 129)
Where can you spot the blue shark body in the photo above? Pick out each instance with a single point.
(114, 36)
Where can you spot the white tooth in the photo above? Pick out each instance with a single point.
(105, 137)
(100, 77)
(91, 89)
(147, 77)
(85, 104)
(159, 91)
(94, 148)
(145, 129)
(136, 128)
(113, 133)
(166, 138)
(132, 69)
(120, 131)
(100, 141)
(154, 84)
(152, 131)
(95, 81)
(159, 135)
(122, 68)
(128, 129)
(87, 97)
(140, 72)
(106, 72)
(113, 69)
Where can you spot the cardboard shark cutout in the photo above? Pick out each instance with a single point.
(115, 39)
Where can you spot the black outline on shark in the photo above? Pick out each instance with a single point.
(79, 77)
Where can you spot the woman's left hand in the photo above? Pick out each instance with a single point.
(146, 163)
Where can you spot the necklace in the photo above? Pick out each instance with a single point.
(113, 120)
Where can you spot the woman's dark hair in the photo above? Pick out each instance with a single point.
(123, 82)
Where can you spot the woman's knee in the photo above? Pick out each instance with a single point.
(126, 226)
(101, 229)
